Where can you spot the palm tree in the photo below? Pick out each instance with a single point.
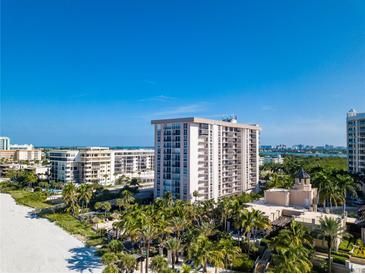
(119, 203)
(292, 259)
(127, 198)
(115, 246)
(327, 189)
(346, 183)
(159, 264)
(216, 258)
(291, 249)
(127, 262)
(229, 250)
(329, 230)
(280, 181)
(109, 258)
(249, 221)
(174, 246)
(122, 180)
(226, 207)
(200, 250)
(85, 194)
(168, 199)
(177, 225)
(146, 230)
(70, 197)
(296, 234)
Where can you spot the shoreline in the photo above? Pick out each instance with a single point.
(30, 243)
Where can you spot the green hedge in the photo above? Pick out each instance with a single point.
(339, 259)
(345, 245)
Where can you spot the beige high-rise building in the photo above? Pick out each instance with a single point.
(356, 141)
(202, 159)
(89, 165)
(96, 165)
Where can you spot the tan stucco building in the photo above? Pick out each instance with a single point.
(301, 195)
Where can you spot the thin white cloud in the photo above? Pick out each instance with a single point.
(267, 108)
(159, 98)
(150, 82)
(181, 110)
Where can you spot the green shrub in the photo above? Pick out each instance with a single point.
(243, 264)
(341, 254)
(31, 199)
(339, 259)
(345, 245)
(71, 224)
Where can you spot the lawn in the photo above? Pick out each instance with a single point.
(71, 224)
(31, 199)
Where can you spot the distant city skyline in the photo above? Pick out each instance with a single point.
(95, 73)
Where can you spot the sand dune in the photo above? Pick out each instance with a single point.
(29, 244)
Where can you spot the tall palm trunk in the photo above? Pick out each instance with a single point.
(329, 243)
(344, 201)
(147, 255)
(317, 200)
(205, 267)
(172, 259)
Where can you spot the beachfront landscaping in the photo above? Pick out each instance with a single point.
(71, 224)
(168, 235)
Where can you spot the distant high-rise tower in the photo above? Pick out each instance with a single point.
(205, 159)
(4, 143)
(356, 141)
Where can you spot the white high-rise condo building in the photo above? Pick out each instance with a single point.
(202, 159)
(4, 143)
(133, 161)
(65, 165)
(356, 141)
(89, 165)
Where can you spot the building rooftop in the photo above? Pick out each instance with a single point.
(299, 214)
(206, 121)
(277, 190)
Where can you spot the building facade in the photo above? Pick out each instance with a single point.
(4, 143)
(65, 166)
(28, 155)
(89, 165)
(356, 141)
(201, 159)
(133, 161)
(21, 147)
(8, 155)
(96, 165)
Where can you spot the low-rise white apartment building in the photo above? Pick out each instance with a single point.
(28, 155)
(204, 159)
(21, 155)
(133, 161)
(102, 165)
(89, 165)
(21, 147)
(356, 141)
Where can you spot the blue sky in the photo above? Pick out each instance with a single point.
(96, 72)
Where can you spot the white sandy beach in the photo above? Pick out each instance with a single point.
(29, 244)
